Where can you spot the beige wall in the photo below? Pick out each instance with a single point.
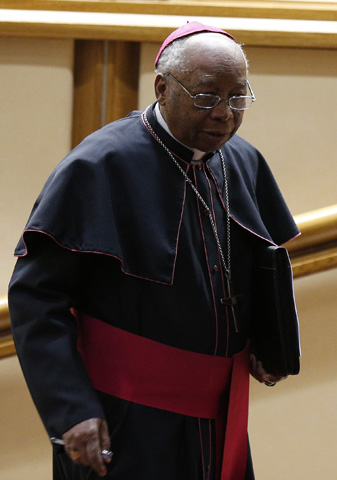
(35, 129)
(35, 133)
(292, 426)
(24, 445)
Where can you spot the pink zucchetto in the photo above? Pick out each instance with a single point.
(188, 29)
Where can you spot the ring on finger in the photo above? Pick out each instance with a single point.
(270, 384)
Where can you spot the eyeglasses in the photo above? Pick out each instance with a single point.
(209, 101)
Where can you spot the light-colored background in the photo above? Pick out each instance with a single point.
(293, 426)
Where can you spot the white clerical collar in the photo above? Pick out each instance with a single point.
(197, 154)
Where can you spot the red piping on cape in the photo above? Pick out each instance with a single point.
(95, 252)
(178, 231)
(236, 221)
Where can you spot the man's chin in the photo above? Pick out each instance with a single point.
(214, 142)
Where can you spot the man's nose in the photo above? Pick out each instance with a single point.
(223, 111)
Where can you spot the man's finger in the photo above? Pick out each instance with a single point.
(74, 454)
(105, 438)
(94, 457)
(85, 441)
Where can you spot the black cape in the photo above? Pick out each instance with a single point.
(118, 173)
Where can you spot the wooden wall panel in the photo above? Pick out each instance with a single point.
(123, 78)
(88, 72)
(105, 84)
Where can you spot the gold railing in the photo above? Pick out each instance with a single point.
(6, 341)
(314, 251)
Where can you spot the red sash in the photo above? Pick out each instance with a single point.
(150, 373)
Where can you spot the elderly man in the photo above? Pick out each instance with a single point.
(131, 299)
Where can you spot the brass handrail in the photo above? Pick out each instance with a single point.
(6, 340)
(314, 251)
(318, 227)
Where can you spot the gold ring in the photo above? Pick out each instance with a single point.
(74, 454)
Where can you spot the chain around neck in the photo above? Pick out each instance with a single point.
(226, 265)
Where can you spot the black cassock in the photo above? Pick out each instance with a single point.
(119, 235)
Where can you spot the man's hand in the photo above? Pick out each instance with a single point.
(260, 374)
(85, 441)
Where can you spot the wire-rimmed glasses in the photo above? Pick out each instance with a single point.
(208, 101)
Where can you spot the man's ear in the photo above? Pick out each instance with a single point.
(160, 88)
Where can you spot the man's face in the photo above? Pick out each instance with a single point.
(217, 68)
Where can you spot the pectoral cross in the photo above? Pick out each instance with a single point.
(231, 301)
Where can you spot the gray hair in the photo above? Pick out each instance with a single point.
(174, 56)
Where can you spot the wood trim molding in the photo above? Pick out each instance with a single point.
(123, 78)
(105, 84)
(3, 313)
(7, 348)
(154, 28)
(292, 9)
(87, 101)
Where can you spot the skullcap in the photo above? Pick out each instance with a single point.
(189, 29)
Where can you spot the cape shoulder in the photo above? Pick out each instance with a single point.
(107, 196)
(256, 202)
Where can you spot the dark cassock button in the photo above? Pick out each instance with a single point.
(215, 268)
